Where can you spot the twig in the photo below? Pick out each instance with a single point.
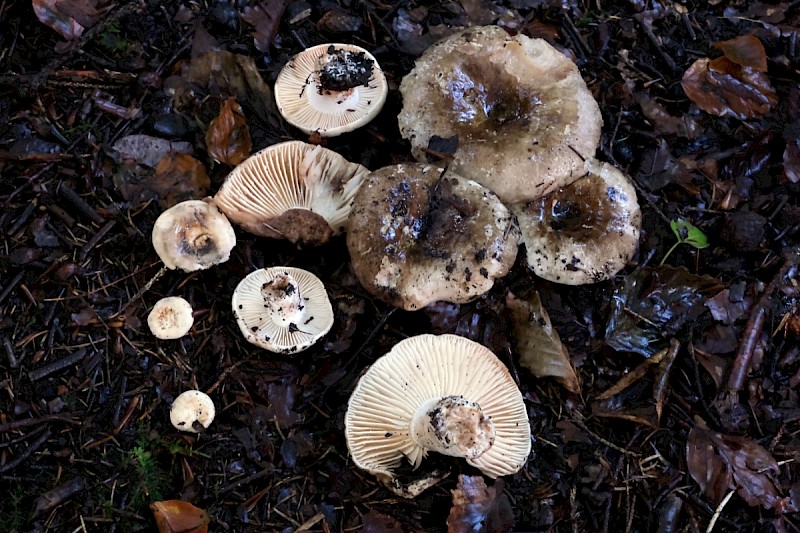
(718, 511)
(55, 366)
(80, 203)
(11, 285)
(38, 443)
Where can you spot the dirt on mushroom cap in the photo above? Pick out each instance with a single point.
(439, 236)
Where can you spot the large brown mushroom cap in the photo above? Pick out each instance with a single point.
(419, 235)
(478, 410)
(193, 235)
(292, 190)
(522, 114)
(585, 232)
(282, 309)
(330, 89)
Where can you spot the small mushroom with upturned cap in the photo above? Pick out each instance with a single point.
(193, 235)
(330, 89)
(282, 309)
(420, 234)
(170, 318)
(191, 411)
(518, 110)
(444, 393)
(585, 232)
(292, 190)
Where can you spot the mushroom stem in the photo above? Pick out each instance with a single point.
(453, 426)
(282, 299)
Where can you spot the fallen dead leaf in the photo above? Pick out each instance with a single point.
(478, 508)
(228, 137)
(146, 150)
(745, 50)
(179, 177)
(176, 516)
(67, 17)
(265, 17)
(539, 347)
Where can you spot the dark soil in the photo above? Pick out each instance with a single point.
(85, 438)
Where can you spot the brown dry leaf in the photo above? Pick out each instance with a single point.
(179, 177)
(722, 87)
(176, 516)
(665, 123)
(745, 50)
(228, 137)
(720, 462)
(67, 17)
(724, 310)
(539, 347)
(375, 522)
(265, 17)
(477, 507)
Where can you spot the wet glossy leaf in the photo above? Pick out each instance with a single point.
(745, 50)
(176, 516)
(688, 233)
(719, 462)
(722, 87)
(228, 137)
(537, 342)
(653, 304)
(477, 508)
(265, 17)
(791, 160)
(68, 17)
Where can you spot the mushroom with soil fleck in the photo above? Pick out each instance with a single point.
(193, 235)
(585, 232)
(292, 190)
(330, 89)
(517, 110)
(420, 234)
(170, 318)
(282, 309)
(443, 393)
(192, 411)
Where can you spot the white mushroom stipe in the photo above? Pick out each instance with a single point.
(453, 426)
(191, 411)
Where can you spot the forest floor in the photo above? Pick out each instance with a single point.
(684, 415)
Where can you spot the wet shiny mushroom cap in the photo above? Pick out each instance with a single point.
(517, 109)
(441, 393)
(193, 235)
(282, 309)
(330, 89)
(292, 190)
(170, 318)
(585, 232)
(192, 410)
(419, 234)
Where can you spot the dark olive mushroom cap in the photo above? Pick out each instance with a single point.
(519, 109)
(585, 232)
(419, 234)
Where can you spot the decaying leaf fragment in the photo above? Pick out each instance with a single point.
(265, 17)
(719, 463)
(539, 347)
(478, 508)
(176, 516)
(67, 17)
(734, 84)
(179, 177)
(228, 137)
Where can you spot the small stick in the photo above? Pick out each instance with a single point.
(80, 203)
(143, 290)
(96, 238)
(55, 366)
(38, 443)
(12, 285)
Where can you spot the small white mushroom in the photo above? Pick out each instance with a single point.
(170, 318)
(330, 89)
(193, 235)
(190, 410)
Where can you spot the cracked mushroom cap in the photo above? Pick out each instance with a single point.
(193, 235)
(517, 108)
(585, 232)
(439, 393)
(292, 190)
(330, 89)
(419, 234)
(282, 309)
(190, 410)
(170, 318)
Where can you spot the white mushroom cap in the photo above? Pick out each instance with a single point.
(419, 235)
(170, 318)
(193, 235)
(522, 114)
(585, 232)
(293, 190)
(282, 309)
(442, 393)
(190, 407)
(330, 89)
